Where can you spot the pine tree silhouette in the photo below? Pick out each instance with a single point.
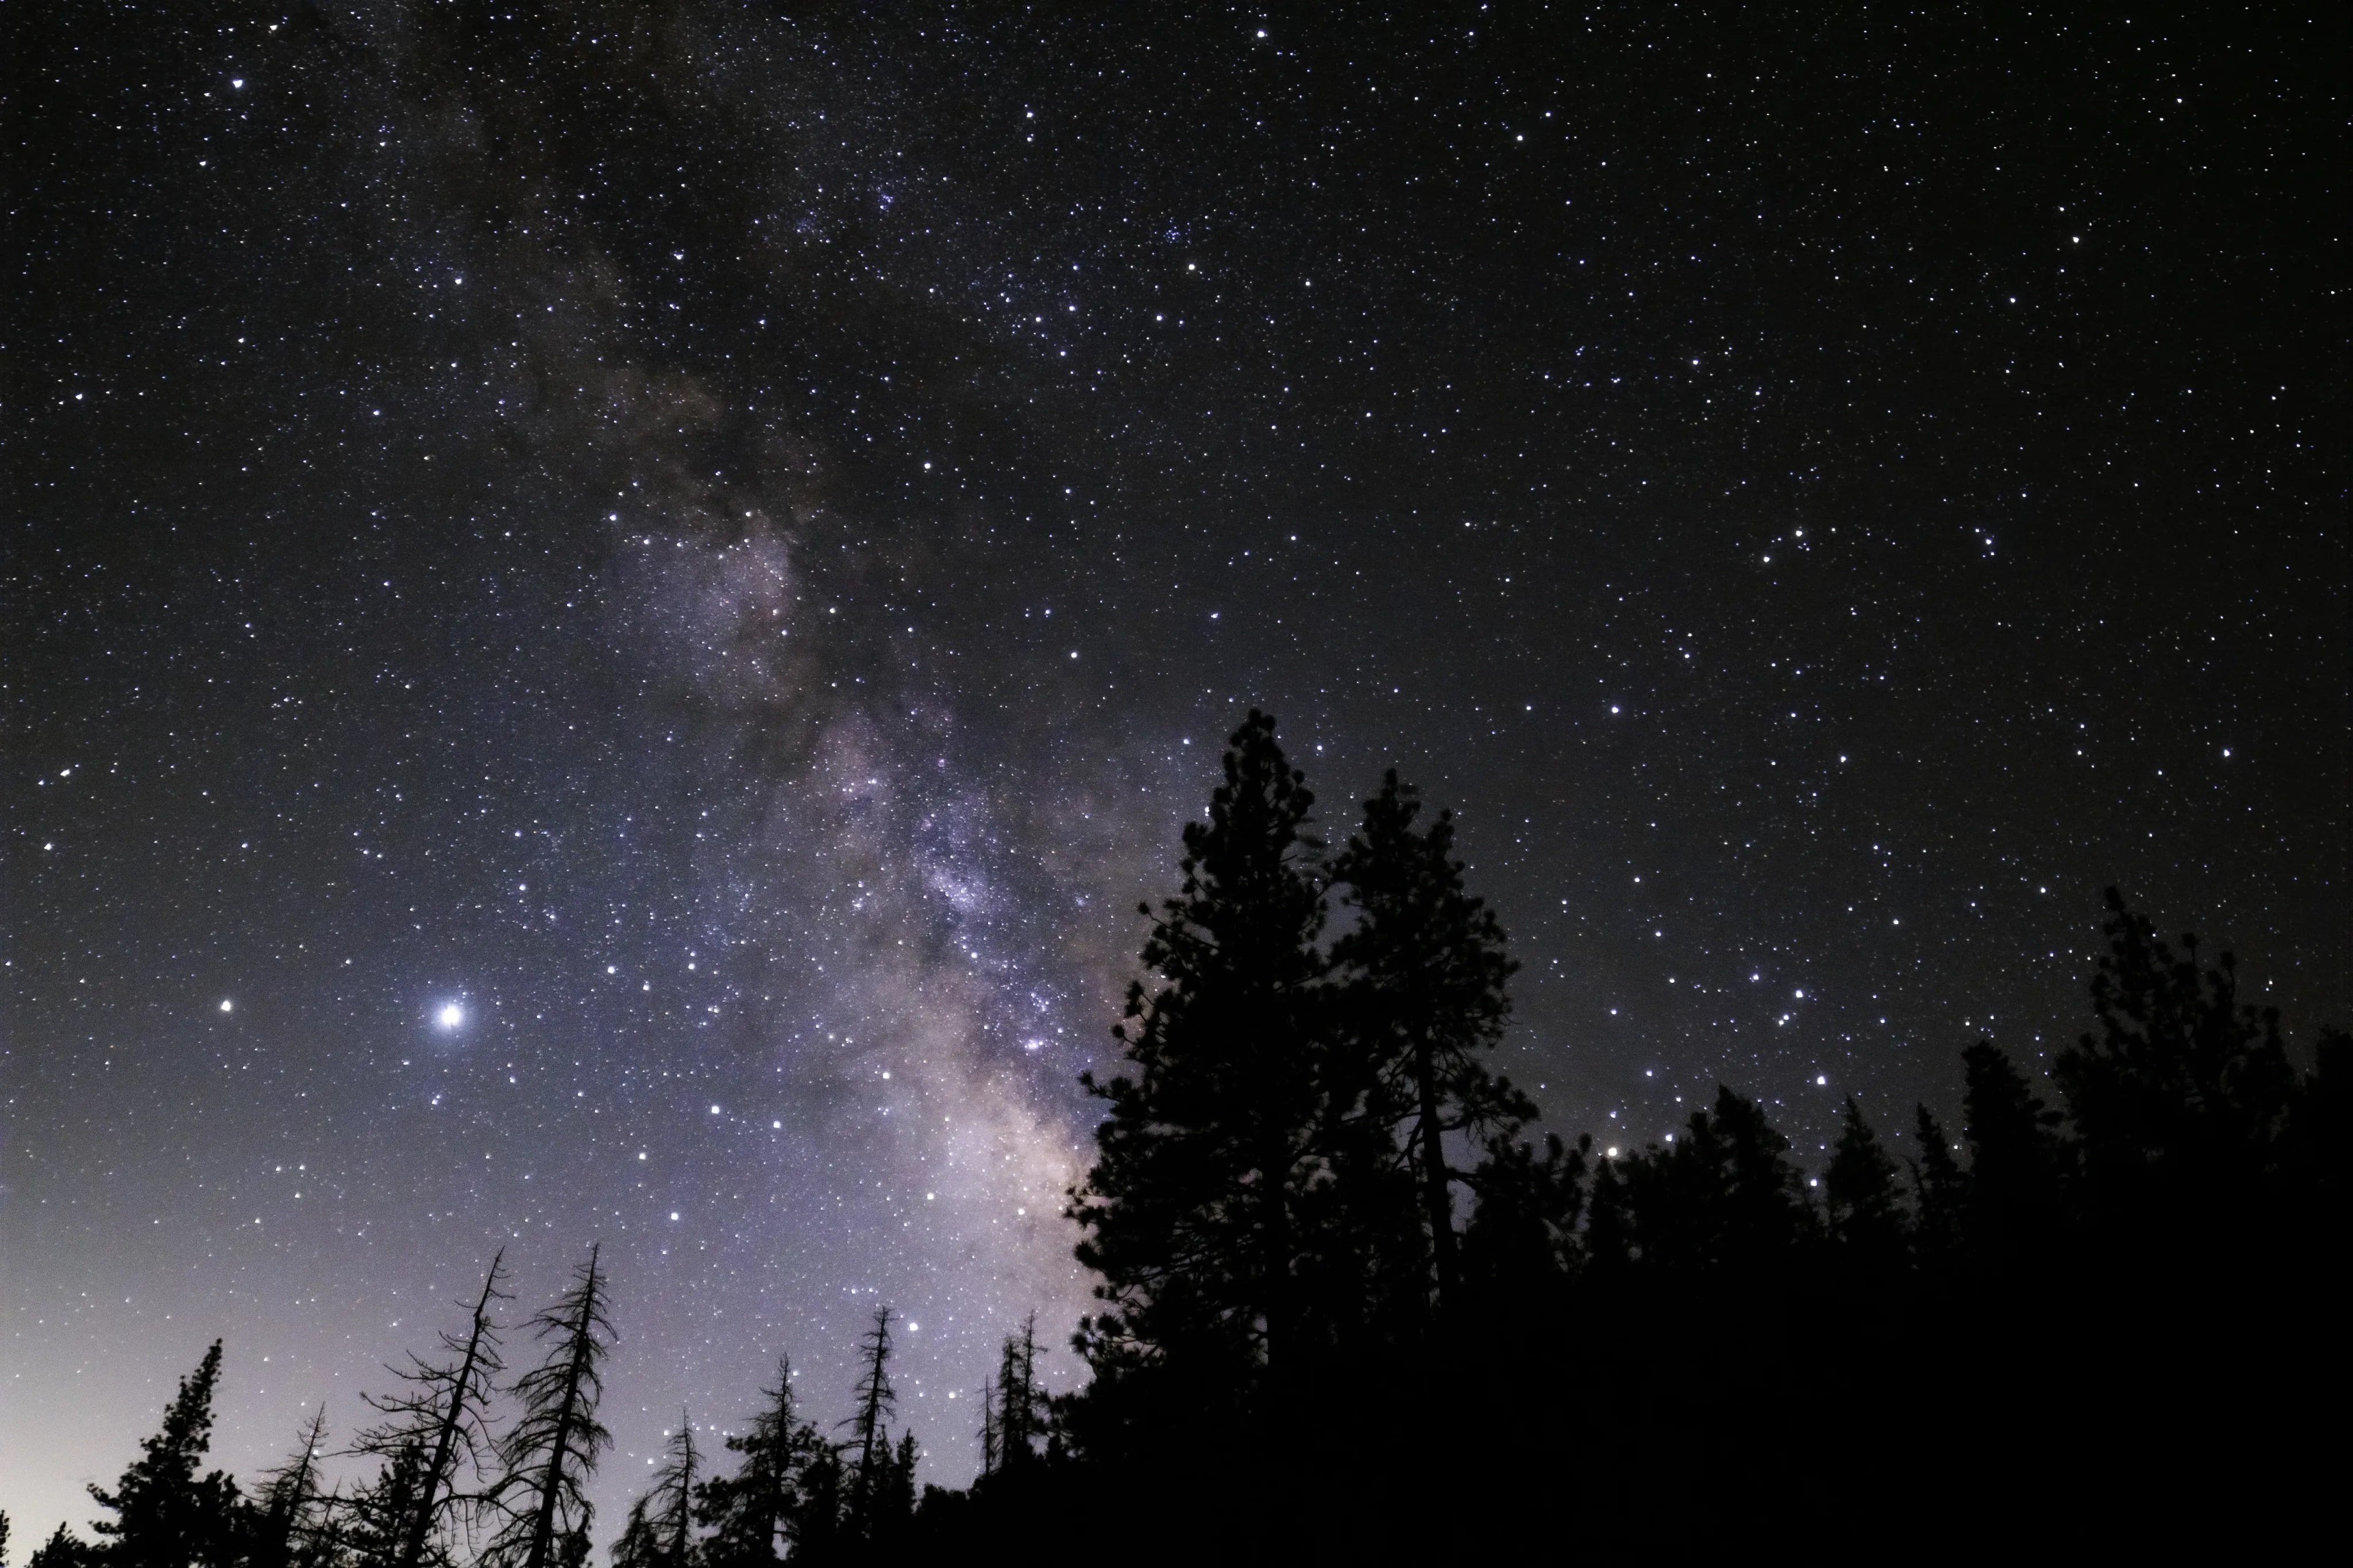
(552, 1450)
(1191, 1213)
(660, 1530)
(444, 1413)
(289, 1495)
(869, 1428)
(1939, 1194)
(748, 1512)
(1019, 1413)
(64, 1550)
(1724, 1193)
(1523, 1225)
(1422, 972)
(895, 1497)
(380, 1514)
(1863, 1203)
(2015, 1162)
(990, 1448)
(2179, 1100)
(167, 1514)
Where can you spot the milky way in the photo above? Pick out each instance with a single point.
(612, 607)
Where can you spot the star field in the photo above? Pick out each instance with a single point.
(611, 608)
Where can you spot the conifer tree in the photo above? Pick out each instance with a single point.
(988, 1435)
(64, 1549)
(1423, 973)
(379, 1515)
(660, 1530)
(1864, 1205)
(1608, 1241)
(2015, 1160)
(748, 1512)
(2181, 1095)
(816, 1524)
(895, 1498)
(166, 1513)
(1524, 1222)
(443, 1414)
(552, 1448)
(1191, 1213)
(640, 1543)
(1020, 1406)
(283, 1530)
(870, 1426)
(1939, 1194)
(1722, 1194)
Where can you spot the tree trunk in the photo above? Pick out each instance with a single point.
(445, 1442)
(543, 1532)
(1438, 1198)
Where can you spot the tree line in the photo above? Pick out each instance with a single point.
(1351, 1302)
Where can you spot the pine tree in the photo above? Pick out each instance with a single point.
(167, 1515)
(379, 1515)
(1608, 1243)
(283, 1530)
(817, 1525)
(674, 1492)
(1864, 1203)
(1020, 1406)
(870, 1425)
(2015, 1161)
(2180, 1097)
(64, 1550)
(896, 1500)
(660, 1530)
(989, 1440)
(1524, 1220)
(1724, 1193)
(746, 1512)
(552, 1448)
(1423, 972)
(1191, 1213)
(444, 1414)
(1939, 1194)
(640, 1543)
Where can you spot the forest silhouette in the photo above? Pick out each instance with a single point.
(1353, 1306)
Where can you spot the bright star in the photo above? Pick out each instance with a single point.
(450, 1016)
(226, 1005)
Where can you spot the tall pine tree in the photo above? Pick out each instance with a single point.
(1939, 1194)
(168, 1511)
(660, 1532)
(2179, 1100)
(552, 1450)
(285, 1530)
(1422, 977)
(750, 1512)
(1863, 1201)
(1192, 1213)
(2016, 1162)
(443, 1414)
(870, 1423)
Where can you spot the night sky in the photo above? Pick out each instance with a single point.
(609, 608)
